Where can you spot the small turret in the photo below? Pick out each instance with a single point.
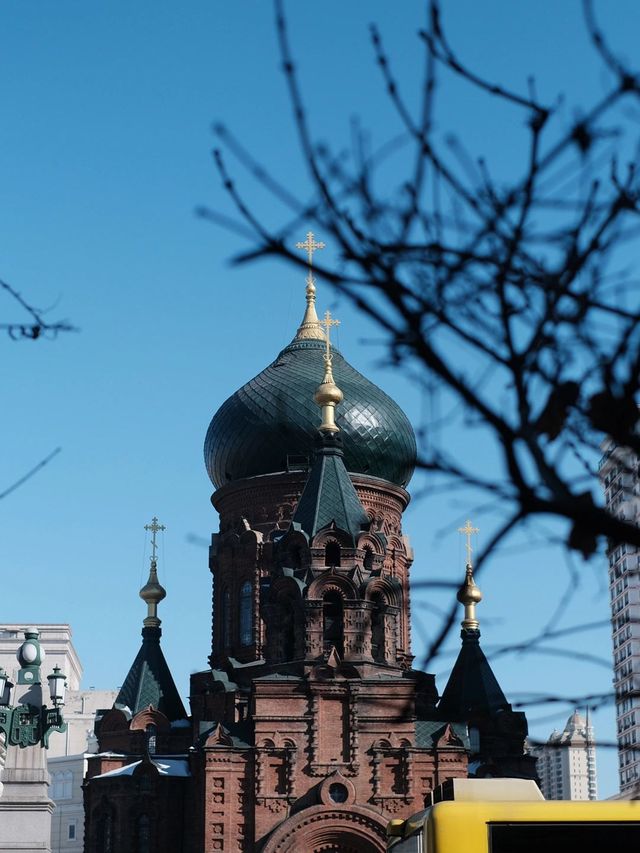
(149, 681)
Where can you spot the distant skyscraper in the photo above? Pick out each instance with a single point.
(567, 762)
(619, 478)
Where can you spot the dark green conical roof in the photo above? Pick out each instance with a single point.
(149, 681)
(274, 417)
(472, 687)
(329, 496)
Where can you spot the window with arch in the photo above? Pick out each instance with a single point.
(226, 618)
(286, 624)
(105, 833)
(295, 556)
(332, 554)
(246, 620)
(377, 627)
(144, 834)
(368, 559)
(62, 785)
(152, 732)
(333, 622)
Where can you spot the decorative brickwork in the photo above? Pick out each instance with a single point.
(323, 698)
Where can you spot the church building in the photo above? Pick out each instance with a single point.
(309, 729)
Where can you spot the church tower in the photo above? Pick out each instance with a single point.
(138, 791)
(310, 728)
(472, 694)
(315, 728)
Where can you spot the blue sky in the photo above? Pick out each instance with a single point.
(105, 152)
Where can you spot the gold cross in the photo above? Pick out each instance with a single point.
(328, 323)
(467, 530)
(310, 246)
(154, 527)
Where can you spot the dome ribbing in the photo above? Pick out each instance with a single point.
(273, 420)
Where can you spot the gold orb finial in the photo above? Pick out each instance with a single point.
(469, 594)
(153, 592)
(328, 395)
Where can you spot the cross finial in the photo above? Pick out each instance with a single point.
(310, 246)
(467, 531)
(154, 527)
(328, 322)
(310, 328)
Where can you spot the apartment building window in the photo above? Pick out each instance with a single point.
(62, 785)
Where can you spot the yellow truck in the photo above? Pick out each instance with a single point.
(512, 816)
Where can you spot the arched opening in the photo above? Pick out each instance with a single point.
(104, 834)
(226, 619)
(349, 829)
(143, 834)
(368, 559)
(287, 628)
(378, 651)
(151, 732)
(246, 621)
(295, 556)
(332, 554)
(333, 622)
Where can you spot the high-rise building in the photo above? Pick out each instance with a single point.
(619, 477)
(567, 762)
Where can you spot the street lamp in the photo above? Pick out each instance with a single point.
(5, 687)
(30, 722)
(57, 686)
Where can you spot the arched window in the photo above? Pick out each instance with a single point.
(152, 732)
(226, 619)
(332, 554)
(105, 833)
(246, 622)
(144, 834)
(62, 785)
(368, 559)
(287, 628)
(377, 628)
(333, 622)
(295, 557)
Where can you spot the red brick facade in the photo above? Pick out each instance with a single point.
(313, 741)
(311, 729)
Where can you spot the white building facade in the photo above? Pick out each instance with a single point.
(619, 478)
(567, 762)
(67, 753)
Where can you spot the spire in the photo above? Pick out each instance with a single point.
(328, 395)
(472, 687)
(152, 592)
(329, 496)
(149, 681)
(310, 329)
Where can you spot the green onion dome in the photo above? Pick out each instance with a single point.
(270, 424)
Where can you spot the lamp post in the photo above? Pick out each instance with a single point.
(30, 722)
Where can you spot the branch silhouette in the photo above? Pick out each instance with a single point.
(509, 300)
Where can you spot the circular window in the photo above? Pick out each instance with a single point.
(338, 792)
